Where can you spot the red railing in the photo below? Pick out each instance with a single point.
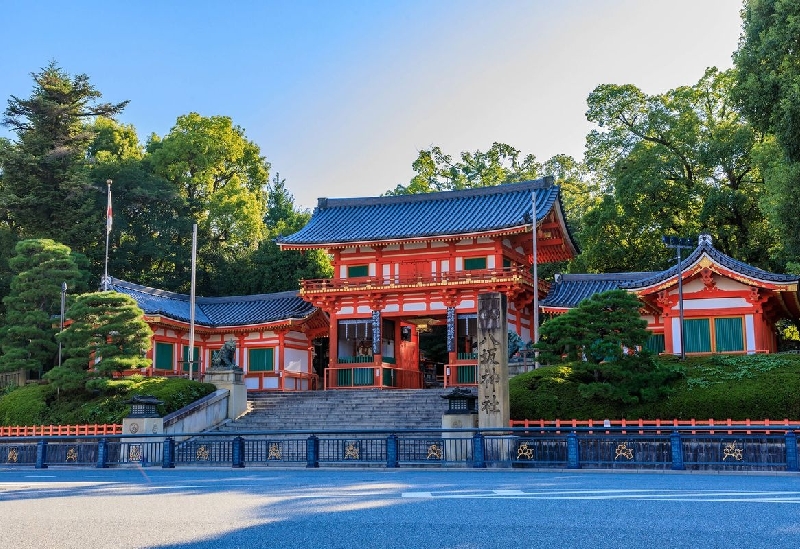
(461, 375)
(60, 430)
(711, 425)
(511, 274)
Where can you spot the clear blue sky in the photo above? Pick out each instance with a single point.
(341, 96)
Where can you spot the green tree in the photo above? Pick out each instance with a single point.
(768, 70)
(148, 243)
(45, 189)
(601, 336)
(221, 178)
(269, 269)
(600, 328)
(768, 91)
(107, 333)
(674, 163)
(33, 306)
(436, 171)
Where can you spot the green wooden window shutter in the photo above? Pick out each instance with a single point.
(729, 334)
(363, 376)
(164, 356)
(185, 360)
(261, 360)
(474, 263)
(655, 343)
(697, 335)
(355, 271)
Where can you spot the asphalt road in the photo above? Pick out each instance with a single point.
(357, 508)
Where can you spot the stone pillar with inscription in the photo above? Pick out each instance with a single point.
(493, 407)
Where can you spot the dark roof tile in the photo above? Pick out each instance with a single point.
(218, 311)
(344, 220)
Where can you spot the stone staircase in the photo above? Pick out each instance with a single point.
(342, 409)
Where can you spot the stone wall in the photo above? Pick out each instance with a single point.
(201, 415)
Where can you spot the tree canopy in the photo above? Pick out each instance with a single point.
(107, 331)
(40, 266)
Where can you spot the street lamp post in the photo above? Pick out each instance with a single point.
(679, 244)
(61, 324)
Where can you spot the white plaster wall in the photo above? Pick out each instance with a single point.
(717, 303)
(676, 335)
(295, 360)
(750, 333)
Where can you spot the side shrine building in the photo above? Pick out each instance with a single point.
(274, 334)
(728, 306)
(403, 264)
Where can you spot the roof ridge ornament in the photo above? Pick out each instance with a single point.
(705, 240)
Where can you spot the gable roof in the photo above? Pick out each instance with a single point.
(570, 289)
(705, 248)
(340, 221)
(218, 311)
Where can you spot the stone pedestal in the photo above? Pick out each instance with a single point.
(458, 446)
(143, 420)
(231, 379)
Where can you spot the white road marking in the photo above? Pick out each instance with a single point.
(649, 495)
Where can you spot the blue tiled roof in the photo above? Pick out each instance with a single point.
(345, 220)
(570, 289)
(705, 247)
(218, 311)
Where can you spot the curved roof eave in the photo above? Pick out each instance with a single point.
(219, 312)
(441, 215)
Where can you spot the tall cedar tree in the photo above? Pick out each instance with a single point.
(45, 185)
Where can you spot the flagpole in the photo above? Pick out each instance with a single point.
(190, 353)
(106, 281)
(535, 272)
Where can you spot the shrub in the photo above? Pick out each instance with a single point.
(25, 405)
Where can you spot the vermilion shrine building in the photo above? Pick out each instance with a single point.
(728, 306)
(403, 264)
(274, 334)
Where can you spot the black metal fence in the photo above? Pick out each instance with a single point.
(728, 448)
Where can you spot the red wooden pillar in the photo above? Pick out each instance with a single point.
(333, 348)
(279, 367)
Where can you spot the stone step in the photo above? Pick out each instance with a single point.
(343, 409)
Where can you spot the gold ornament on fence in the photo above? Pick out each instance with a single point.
(72, 455)
(434, 451)
(351, 452)
(731, 451)
(12, 455)
(623, 451)
(202, 453)
(275, 451)
(524, 451)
